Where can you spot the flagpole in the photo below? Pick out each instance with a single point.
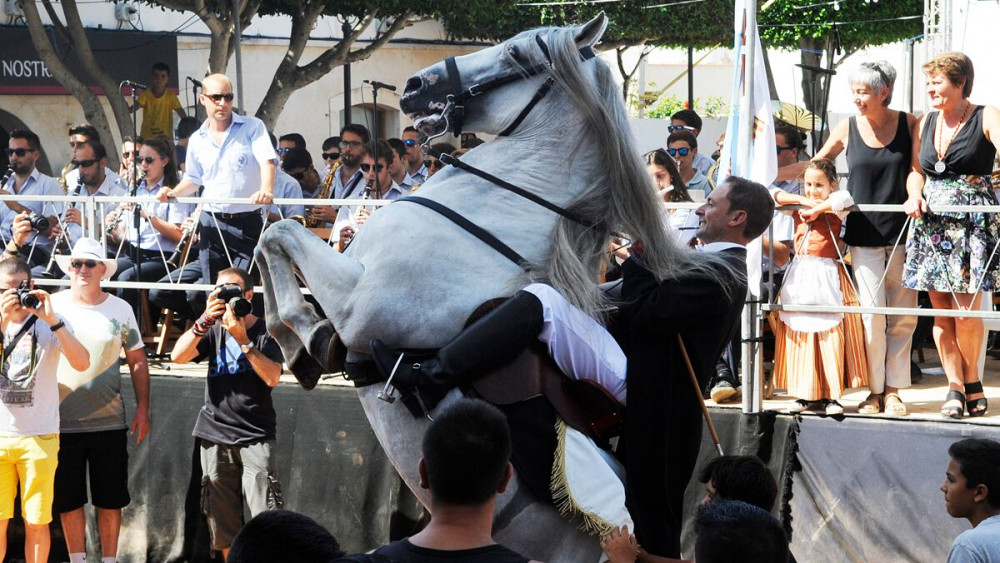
(750, 327)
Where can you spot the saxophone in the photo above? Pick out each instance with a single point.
(324, 193)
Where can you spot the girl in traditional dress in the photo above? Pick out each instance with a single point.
(818, 355)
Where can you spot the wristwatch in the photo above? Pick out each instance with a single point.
(247, 347)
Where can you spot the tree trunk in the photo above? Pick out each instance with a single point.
(812, 82)
(290, 77)
(83, 52)
(771, 89)
(92, 110)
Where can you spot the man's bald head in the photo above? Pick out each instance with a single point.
(217, 81)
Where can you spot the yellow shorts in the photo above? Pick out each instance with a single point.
(32, 461)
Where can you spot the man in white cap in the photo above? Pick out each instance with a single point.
(91, 410)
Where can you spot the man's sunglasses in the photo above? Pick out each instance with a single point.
(365, 167)
(83, 163)
(18, 152)
(780, 148)
(77, 264)
(331, 156)
(435, 164)
(217, 98)
(410, 142)
(352, 144)
(683, 151)
(128, 155)
(675, 128)
(285, 150)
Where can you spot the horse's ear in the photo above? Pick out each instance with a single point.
(590, 33)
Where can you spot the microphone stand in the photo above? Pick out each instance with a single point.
(375, 87)
(136, 217)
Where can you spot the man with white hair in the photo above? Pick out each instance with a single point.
(91, 410)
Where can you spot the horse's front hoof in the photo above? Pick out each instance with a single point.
(324, 346)
(306, 369)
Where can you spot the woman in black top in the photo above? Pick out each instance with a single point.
(952, 255)
(878, 142)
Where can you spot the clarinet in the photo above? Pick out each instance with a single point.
(174, 261)
(123, 209)
(6, 176)
(62, 246)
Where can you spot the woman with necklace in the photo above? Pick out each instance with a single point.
(951, 255)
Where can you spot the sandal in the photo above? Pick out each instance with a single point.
(953, 411)
(895, 406)
(872, 404)
(976, 407)
(800, 405)
(833, 408)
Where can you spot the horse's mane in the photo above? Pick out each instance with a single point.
(619, 198)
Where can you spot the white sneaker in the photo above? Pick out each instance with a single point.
(799, 405)
(833, 407)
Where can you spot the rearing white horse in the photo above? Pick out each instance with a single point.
(412, 277)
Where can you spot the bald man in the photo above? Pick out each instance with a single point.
(232, 156)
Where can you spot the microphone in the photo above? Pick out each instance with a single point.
(381, 85)
(195, 82)
(135, 85)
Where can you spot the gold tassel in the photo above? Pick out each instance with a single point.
(565, 503)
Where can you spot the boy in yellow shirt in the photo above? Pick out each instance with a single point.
(157, 103)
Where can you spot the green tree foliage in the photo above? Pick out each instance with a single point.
(862, 23)
(701, 24)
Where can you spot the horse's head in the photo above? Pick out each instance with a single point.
(486, 91)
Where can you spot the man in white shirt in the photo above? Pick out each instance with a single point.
(33, 339)
(232, 156)
(90, 159)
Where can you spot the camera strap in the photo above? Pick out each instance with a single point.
(13, 342)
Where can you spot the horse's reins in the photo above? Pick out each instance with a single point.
(454, 115)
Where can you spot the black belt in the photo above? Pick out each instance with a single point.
(231, 216)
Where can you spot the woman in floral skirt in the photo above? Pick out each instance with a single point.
(951, 255)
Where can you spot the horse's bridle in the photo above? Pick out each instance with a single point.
(454, 110)
(454, 116)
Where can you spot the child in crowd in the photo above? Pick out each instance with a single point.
(157, 103)
(818, 355)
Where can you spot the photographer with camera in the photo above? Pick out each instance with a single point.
(237, 424)
(34, 337)
(23, 151)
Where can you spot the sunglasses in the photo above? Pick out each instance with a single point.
(780, 148)
(285, 150)
(365, 167)
(410, 142)
(129, 155)
(77, 264)
(683, 151)
(331, 156)
(83, 163)
(675, 128)
(18, 152)
(147, 159)
(217, 98)
(352, 144)
(435, 164)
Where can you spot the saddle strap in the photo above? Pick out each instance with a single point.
(472, 228)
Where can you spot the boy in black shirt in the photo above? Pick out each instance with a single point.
(237, 423)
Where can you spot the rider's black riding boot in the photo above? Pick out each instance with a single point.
(491, 342)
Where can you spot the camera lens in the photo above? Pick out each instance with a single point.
(241, 307)
(28, 300)
(38, 221)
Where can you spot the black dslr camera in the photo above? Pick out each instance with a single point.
(25, 298)
(232, 294)
(38, 221)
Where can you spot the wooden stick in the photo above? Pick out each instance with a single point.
(701, 399)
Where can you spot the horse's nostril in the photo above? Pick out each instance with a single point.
(413, 84)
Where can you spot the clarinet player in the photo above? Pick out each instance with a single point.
(159, 222)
